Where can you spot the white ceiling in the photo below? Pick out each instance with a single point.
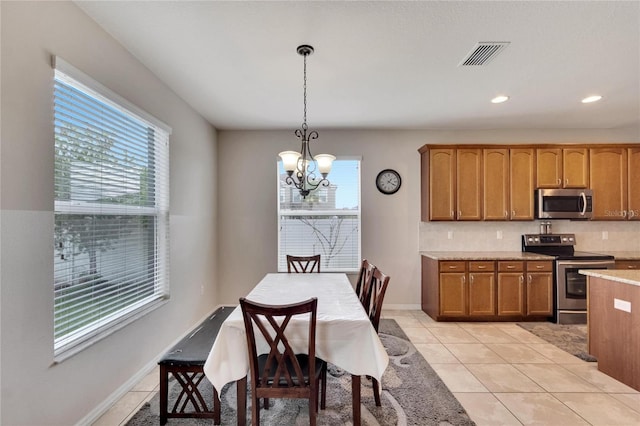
(389, 65)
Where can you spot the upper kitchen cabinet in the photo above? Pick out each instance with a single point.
(438, 184)
(521, 183)
(609, 182)
(496, 183)
(469, 184)
(562, 167)
(633, 183)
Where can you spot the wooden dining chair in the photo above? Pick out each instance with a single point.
(303, 264)
(281, 373)
(363, 285)
(379, 283)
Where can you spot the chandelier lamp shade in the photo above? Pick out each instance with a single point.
(302, 167)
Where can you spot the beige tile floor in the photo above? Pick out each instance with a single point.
(500, 373)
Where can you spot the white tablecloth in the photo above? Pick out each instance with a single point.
(344, 334)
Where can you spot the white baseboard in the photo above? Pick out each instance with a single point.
(400, 307)
(105, 405)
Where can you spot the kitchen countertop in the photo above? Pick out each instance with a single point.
(484, 255)
(619, 275)
(623, 255)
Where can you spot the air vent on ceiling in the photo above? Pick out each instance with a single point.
(483, 52)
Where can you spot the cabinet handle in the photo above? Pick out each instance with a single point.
(453, 267)
(452, 214)
(471, 279)
(513, 212)
(482, 267)
(521, 279)
(559, 181)
(631, 267)
(511, 267)
(530, 278)
(566, 181)
(464, 279)
(539, 266)
(506, 213)
(459, 213)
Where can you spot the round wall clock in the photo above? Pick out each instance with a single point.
(388, 181)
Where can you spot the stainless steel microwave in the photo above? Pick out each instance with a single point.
(564, 203)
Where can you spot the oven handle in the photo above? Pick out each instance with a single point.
(576, 263)
(584, 203)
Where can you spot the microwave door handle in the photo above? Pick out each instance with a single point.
(584, 203)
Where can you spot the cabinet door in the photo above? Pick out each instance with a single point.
(540, 293)
(496, 184)
(442, 184)
(575, 168)
(608, 179)
(469, 184)
(634, 184)
(510, 293)
(482, 293)
(627, 264)
(548, 168)
(521, 167)
(453, 294)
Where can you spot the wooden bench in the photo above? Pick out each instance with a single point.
(185, 361)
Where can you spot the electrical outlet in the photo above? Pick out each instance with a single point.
(605, 235)
(499, 235)
(450, 235)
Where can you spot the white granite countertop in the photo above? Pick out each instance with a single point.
(484, 255)
(619, 275)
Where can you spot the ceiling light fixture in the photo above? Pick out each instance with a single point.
(499, 99)
(303, 163)
(593, 98)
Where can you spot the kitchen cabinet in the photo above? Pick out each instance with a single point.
(539, 298)
(510, 288)
(441, 184)
(487, 290)
(496, 184)
(469, 184)
(562, 167)
(608, 180)
(633, 183)
(521, 183)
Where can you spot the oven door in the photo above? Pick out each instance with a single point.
(571, 290)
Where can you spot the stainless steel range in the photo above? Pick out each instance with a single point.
(570, 287)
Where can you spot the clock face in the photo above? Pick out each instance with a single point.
(388, 181)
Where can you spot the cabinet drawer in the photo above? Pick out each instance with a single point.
(539, 266)
(627, 264)
(452, 266)
(481, 266)
(510, 266)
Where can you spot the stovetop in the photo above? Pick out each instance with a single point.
(561, 246)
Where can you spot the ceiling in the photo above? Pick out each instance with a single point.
(389, 65)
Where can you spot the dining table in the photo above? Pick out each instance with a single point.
(345, 336)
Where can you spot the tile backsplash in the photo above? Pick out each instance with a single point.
(506, 236)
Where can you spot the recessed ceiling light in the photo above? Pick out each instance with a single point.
(590, 99)
(499, 99)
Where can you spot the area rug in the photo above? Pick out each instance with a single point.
(412, 394)
(570, 338)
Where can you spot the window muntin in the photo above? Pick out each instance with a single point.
(327, 222)
(111, 210)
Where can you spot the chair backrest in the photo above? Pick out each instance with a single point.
(379, 283)
(282, 368)
(363, 285)
(303, 264)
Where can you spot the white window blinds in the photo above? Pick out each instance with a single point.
(111, 209)
(327, 222)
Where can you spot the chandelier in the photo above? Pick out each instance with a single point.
(301, 167)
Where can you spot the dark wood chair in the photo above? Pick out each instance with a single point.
(363, 285)
(303, 264)
(379, 283)
(281, 373)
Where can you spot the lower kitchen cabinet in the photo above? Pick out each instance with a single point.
(539, 288)
(510, 288)
(627, 264)
(487, 290)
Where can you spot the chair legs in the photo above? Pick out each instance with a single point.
(323, 379)
(376, 391)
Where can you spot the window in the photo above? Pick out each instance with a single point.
(111, 210)
(327, 222)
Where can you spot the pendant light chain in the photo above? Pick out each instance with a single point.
(304, 124)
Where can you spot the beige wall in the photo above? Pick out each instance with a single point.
(35, 391)
(392, 234)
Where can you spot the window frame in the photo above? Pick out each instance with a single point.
(76, 340)
(282, 266)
